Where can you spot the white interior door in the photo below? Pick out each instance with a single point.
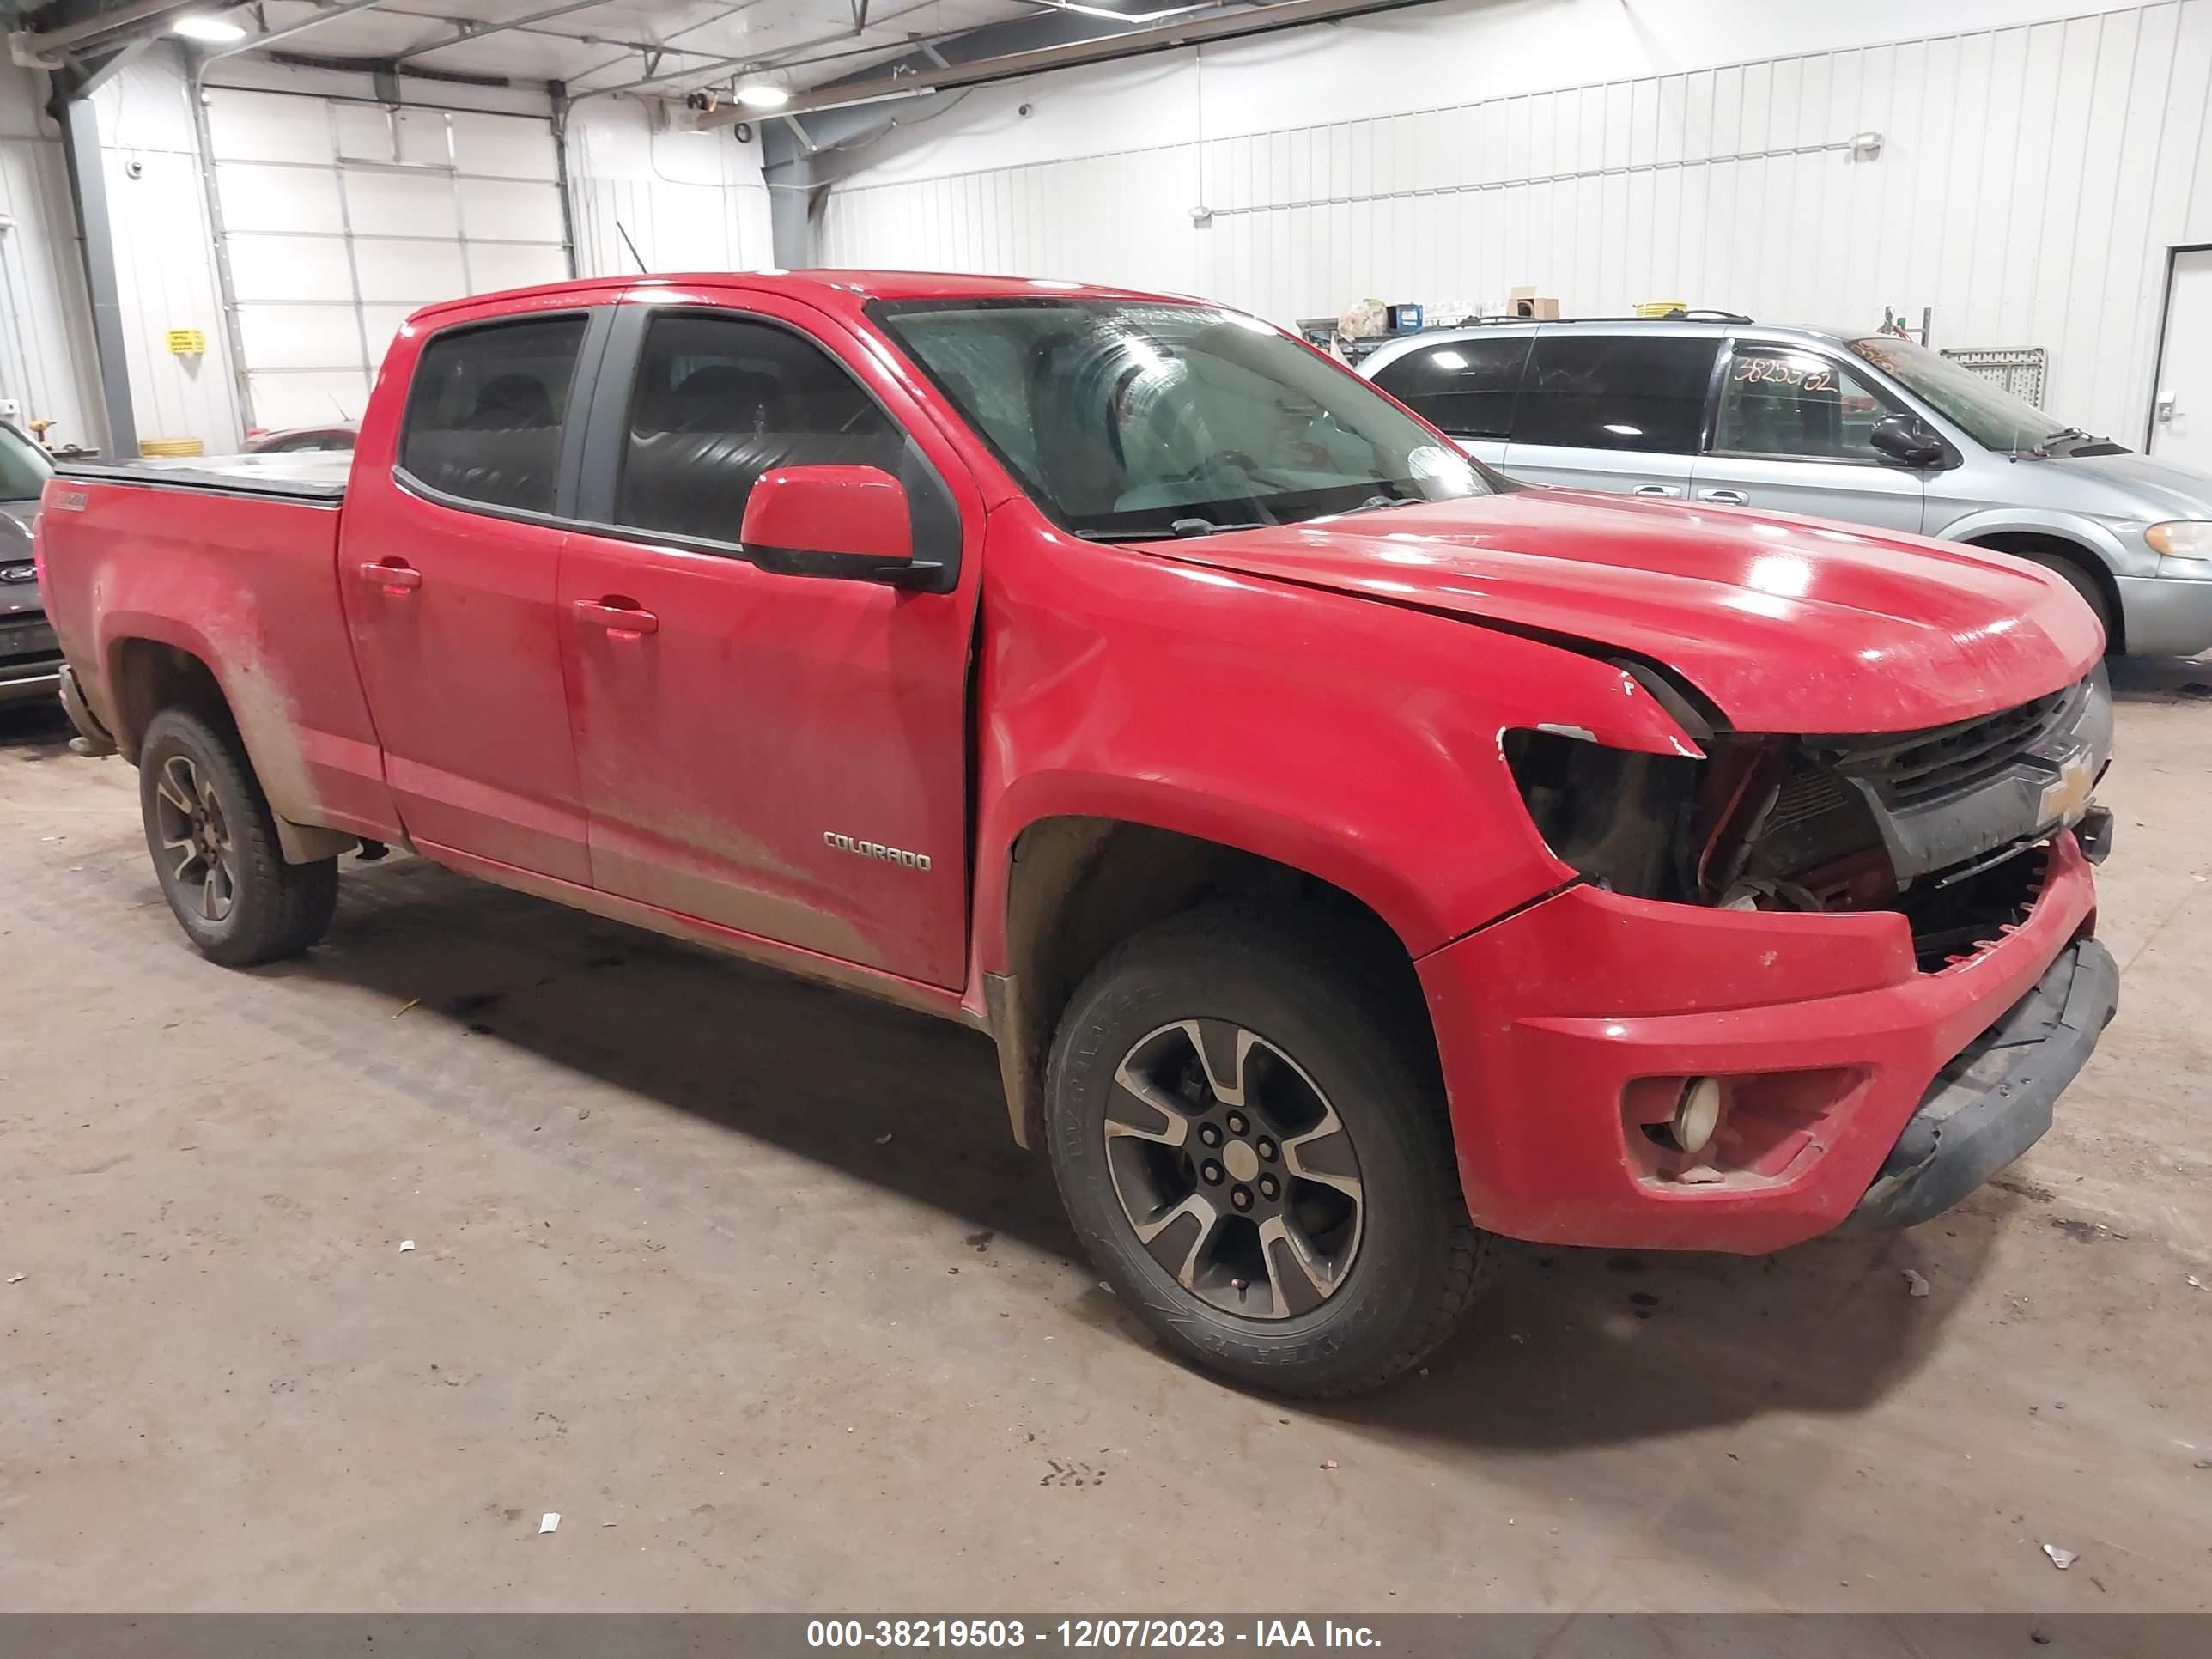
(339, 219)
(2181, 416)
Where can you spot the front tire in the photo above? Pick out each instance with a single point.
(215, 847)
(1251, 1142)
(2083, 582)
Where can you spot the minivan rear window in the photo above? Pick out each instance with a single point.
(1644, 392)
(1465, 387)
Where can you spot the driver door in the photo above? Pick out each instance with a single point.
(1792, 436)
(749, 745)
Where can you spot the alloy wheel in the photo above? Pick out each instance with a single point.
(1234, 1170)
(195, 836)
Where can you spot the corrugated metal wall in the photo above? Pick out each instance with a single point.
(2030, 183)
(45, 324)
(686, 201)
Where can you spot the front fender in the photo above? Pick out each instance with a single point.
(2078, 528)
(1357, 741)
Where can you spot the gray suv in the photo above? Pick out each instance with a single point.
(1869, 429)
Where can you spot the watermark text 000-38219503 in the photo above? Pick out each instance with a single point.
(1079, 1635)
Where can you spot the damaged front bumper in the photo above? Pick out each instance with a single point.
(1568, 1031)
(1993, 1102)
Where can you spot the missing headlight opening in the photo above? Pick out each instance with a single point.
(1950, 826)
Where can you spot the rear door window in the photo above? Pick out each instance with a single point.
(719, 400)
(485, 414)
(1465, 387)
(1637, 392)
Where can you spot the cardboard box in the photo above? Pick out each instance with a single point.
(1527, 302)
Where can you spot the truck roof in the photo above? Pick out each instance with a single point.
(832, 288)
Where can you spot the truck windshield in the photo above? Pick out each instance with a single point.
(1129, 419)
(1990, 415)
(24, 468)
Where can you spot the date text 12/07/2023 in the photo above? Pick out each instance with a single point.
(1086, 1633)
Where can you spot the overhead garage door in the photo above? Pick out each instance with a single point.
(339, 219)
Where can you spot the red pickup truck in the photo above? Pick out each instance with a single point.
(1356, 855)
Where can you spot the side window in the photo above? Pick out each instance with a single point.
(1779, 402)
(1465, 386)
(483, 416)
(718, 401)
(1644, 392)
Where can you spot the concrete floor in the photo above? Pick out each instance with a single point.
(742, 1277)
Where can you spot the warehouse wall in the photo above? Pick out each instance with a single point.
(2033, 176)
(165, 275)
(46, 359)
(688, 201)
(304, 184)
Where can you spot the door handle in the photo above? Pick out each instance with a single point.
(623, 619)
(396, 578)
(1657, 489)
(1725, 497)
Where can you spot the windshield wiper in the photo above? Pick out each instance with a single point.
(1182, 528)
(2064, 434)
(1178, 531)
(1375, 503)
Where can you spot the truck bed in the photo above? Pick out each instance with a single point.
(315, 475)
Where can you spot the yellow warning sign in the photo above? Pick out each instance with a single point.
(187, 342)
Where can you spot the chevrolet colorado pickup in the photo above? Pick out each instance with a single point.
(1355, 855)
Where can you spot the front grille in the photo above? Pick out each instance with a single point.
(1947, 760)
(1805, 796)
(26, 636)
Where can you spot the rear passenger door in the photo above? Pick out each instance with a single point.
(739, 731)
(448, 555)
(1622, 411)
(1464, 387)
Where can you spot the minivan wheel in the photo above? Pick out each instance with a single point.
(2083, 582)
(214, 849)
(1253, 1148)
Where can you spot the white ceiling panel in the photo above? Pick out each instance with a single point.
(294, 268)
(396, 204)
(266, 197)
(605, 45)
(409, 273)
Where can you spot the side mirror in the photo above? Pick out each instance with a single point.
(855, 522)
(1907, 438)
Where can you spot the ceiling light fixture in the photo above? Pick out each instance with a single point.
(199, 27)
(761, 95)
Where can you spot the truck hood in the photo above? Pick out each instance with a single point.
(1787, 624)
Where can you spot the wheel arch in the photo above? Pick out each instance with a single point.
(2076, 551)
(150, 665)
(1076, 885)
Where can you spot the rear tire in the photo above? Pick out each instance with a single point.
(215, 852)
(1250, 1139)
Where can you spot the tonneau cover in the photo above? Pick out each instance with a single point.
(318, 476)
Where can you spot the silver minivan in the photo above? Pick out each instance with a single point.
(1868, 428)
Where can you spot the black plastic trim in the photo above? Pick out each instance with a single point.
(1994, 1102)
